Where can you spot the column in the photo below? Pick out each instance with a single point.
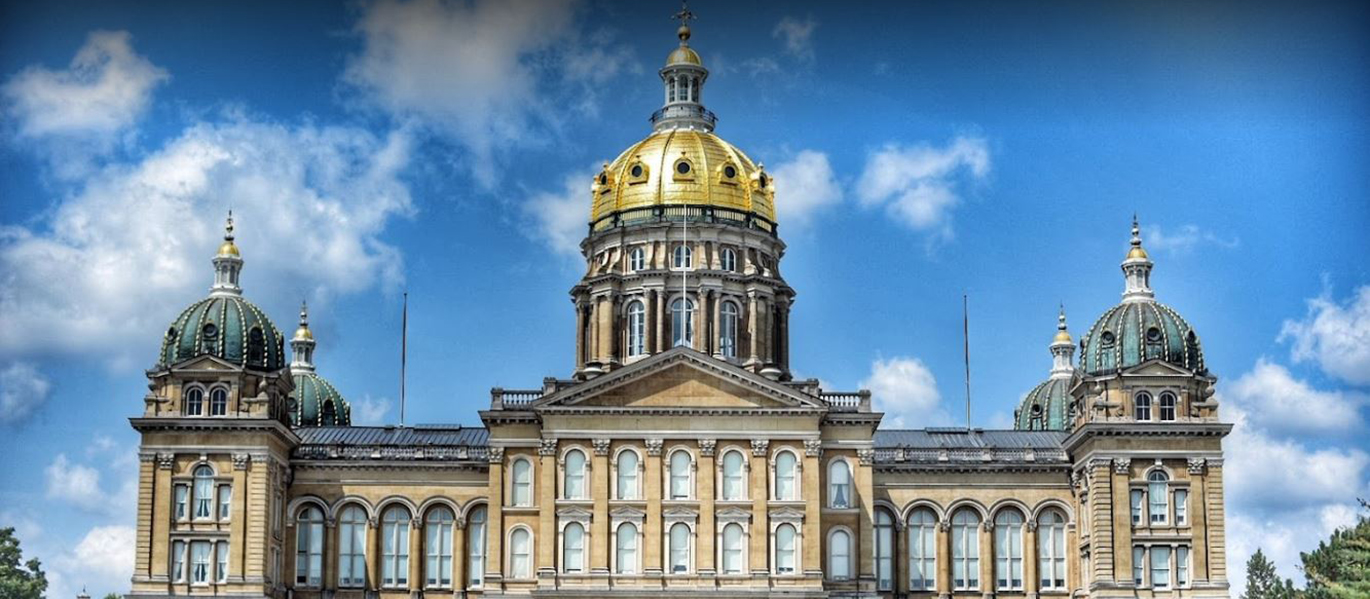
(812, 494)
(547, 508)
(784, 350)
(753, 328)
(599, 523)
(494, 521)
(717, 320)
(459, 557)
(1102, 551)
(944, 557)
(758, 556)
(592, 333)
(147, 483)
(704, 490)
(1122, 520)
(650, 343)
(580, 336)
(663, 322)
(1217, 533)
(901, 559)
(1198, 514)
(416, 555)
(605, 325)
(373, 553)
(259, 505)
(238, 517)
(1031, 581)
(865, 494)
(987, 582)
(651, 529)
(160, 528)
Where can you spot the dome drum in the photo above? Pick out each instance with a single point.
(675, 214)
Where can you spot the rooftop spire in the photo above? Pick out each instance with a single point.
(1062, 349)
(302, 344)
(684, 76)
(1137, 269)
(227, 264)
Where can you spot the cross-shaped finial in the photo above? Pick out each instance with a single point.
(684, 16)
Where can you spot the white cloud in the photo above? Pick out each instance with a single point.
(370, 411)
(1334, 335)
(75, 484)
(1272, 399)
(102, 562)
(1281, 537)
(797, 35)
(560, 217)
(104, 90)
(804, 186)
(22, 391)
(919, 185)
(114, 262)
(906, 391)
(1185, 239)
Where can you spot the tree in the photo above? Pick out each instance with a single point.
(1263, 582)
(113, 596)
(1340, 567)
(18, 579)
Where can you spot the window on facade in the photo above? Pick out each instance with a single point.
(573, 548)
(839, 484)
(1008, 550)
(1157, 492)
(221, 562)
(1135, 499)
(682, 257)
(1051, 550)
(839, 555)
(195, 401)
(182, 501)
(884, 550)
(1182, 566)
(965, 550)
(204, 492)
(1167, 406)
(573, 486)
(1142, 402)
(475, 546)
(199, 562)
(625, 558)
(437, 542)
(785, 475)
(309, 547)
(1181, 507)
(521, 554)
(637, 329)
(732, 549)
(522, 492)
(727, 330)
(352, 547)
(1138, 565)
(627, 475)
(922, 527)
(728, 258)
(178, 561)
(679, 549)
(784, 549)
(733, 487)
(395, 547)
(218, 401)
(682, 322)
(225, 501)
(637, 260)
(1160, 567)
(680, 475)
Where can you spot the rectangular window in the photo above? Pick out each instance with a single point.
(178, 561)
(1182, 566)
(1138, 565)
(1136, 500)
(225, 501)
(1160, 567)
(182, 498)
(221, 567)
(1156, 506)
(1181, 507)
(199, 562)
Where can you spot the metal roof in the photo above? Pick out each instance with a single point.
(960, 438)
(409, 436)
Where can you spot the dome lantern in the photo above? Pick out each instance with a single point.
(1137, 269)
(683, 79)
(228, 263)
(1062, 350)
(302, 345)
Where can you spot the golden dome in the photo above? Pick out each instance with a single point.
(1138, 253)
(228, 248)
(304, 333)
(683, 166)
(1062, 337)
(684, 55)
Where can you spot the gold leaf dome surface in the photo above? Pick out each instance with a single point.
(649, 174)
(228, 248)
(684, 55)
(1137, 253)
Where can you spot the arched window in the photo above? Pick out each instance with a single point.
(204, 492)
(309, 547)
(352, 547)
(395, 547)
(573, 548)
(218, 401)
(682, 257)
(1158, 496)
(682, 322)
(732, 548)
(256, 346)
(637, 329)
(839, 555)
(884, 550)
(839, 484)
(437, 540)
(1167, 406)
(627, 474)
(965, 550)
(922, 527)
(475, 547)
(727, 330)
(694, 90)
(625, 549)
(734, 487)
(195, 401)
(637, 260)
(330, 414)
(679, 550)
(728, 260)
(573, 484)
(521, 554)
(522, 493)
(680, 475)
(1142, 403)
(1008, 550)
(786, 466)
(1051, 550)
(785, 549)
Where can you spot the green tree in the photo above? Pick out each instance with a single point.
(19, 579)
(113, 596)
(1340, 567)
(1263, 582)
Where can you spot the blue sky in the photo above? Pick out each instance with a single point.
(922, 151)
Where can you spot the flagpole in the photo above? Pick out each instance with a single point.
(965, 335)
(404, 351)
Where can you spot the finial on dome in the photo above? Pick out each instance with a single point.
(1137, 269)
(228, 263)
(1137, 252)
(228, 227)
(684, 16)
(303, 342)
(1062, 335)
(228, 248)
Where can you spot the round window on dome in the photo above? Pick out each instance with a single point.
(211, 331)
(637, 170)
(682, 167)
(603, 179)
(730, 171)
(171, 332)
(1107, 338)
(1153, 335)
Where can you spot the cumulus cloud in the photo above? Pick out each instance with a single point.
(370, 411)
(23, 390)
(920, 185)
(488, 74)
(114, 262)
(1334, 335)
(560, 217)
(1272, 399)
(1184, 239)
(74, 483)
(906, 391)
(101, 562)
(797, 35)
(804, 186)
(1281, 537)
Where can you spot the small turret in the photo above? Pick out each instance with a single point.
(227, 264)
(1137, 269)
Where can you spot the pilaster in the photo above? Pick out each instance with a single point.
(258, 510)
(1031, 581)
(494, 530)
(1098, 473)
(147, 475)
(547, 507)
(651, 548)
(1199, 513)
(944, 558)
(599, 523)
(1217, 530)
(1122, 519)
(812, 494)
(704, 489)
(865, 495)
(759, 554)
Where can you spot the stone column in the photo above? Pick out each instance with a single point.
(259, 506)
(651, 529)
(1198, 508)
(494, 522)
(238, 516)
(373, 553)
(1216, 521)
(592, 333)
(987, 582)
(547, 508)
(1031, 581)
(944, 558)
(653, 319)
(812, 494)
(753, 328)
(663, 321)
(901, 559)
(147, 483)
(784, 349)
(1099, 477)
(704, 490)
(716, 329)
(459, 557)
(606, 329)
(580, 336)
(599, 524)
(416, 552)
(760, 528)
(162, 518)
(1122, 519)
(865, 495)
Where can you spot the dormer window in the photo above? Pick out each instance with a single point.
(1107, 339)
(1153, 335)
(637, 173)
(210, 331)
(683, 169)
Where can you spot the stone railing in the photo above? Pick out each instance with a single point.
(852, 401)
(926, 455)
(513, 399)
(391, 452)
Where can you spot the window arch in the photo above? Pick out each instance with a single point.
(682, 257)
(1167, 406)
(965, 550)
(637, 259)
(734, 481)
(204, 492)
(1008, 550)
(728, 260)
(637, 328)
(839, 484)
(682, 322)
(352, 547)
(395, 547)
(839, 554)
(437, 540)
(922, 525)
(732, 548)
(625, 548)
(1158, 500)
(786, 476)
(573, 548)
(678, 550)
(1051, 550)
(194, 401)
(884, 550)
(475, 547)
(626, 466)
(521, 554)
(681, 467)
(573, 475)
(727, 329)
(521, 482)
(218, 401)
(786, 549)
(309, 547)
(1142, 406)
(256, 346)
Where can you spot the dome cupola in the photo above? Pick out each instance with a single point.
(314, 402)
(1044, 408)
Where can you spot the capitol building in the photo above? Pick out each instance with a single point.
(680, 457)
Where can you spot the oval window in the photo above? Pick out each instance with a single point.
(682, 167)
(603, 179)
(1153, 335)
(729, 171)
(637, 170)
(763, 181)
(211, 330)
(171, 332)
(1107, 338)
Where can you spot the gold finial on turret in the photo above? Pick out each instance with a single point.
(228, 248)
(1062, 336)
(684, 16)
(303, 332)
(1136, 251)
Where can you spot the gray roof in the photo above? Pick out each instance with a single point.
(409, 436)
(960, 438)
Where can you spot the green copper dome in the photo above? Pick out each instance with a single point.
(1138, 331)
(315, 402)
(1044, 408)
(228, 327)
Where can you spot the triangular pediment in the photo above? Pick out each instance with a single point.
(1156, 368)
(680, 379)
(206, 363)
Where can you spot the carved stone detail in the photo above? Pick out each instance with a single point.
(759, 447)
(654, 447)
(165, 460)
(601, 446)
(1122, 465)
(1197, 465)
(494, 455)
(707, 447)
(240, 461)
(547, 447)
(865, 456)
(813, 448)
